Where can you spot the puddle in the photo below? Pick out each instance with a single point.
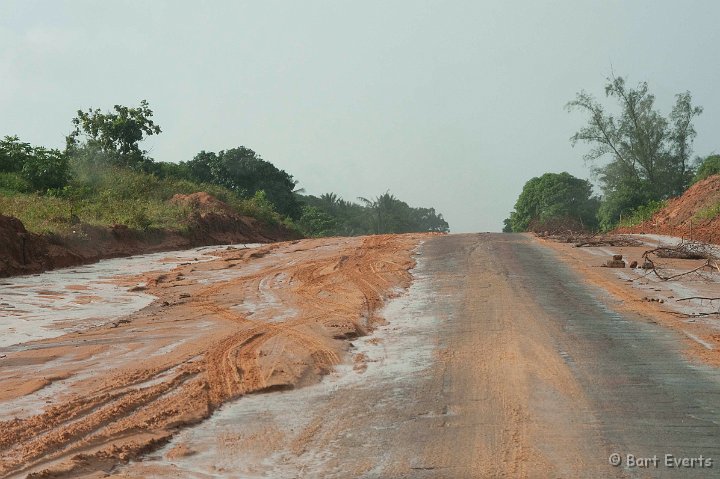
(51, 304)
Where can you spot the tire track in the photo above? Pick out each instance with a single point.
(324, 288)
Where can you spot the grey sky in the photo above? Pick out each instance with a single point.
(446, 104)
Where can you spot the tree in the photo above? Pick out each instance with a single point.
(708, 167)
(116, 135)
(206, 167)
(426, 219)
(46, 169)
(13, 154)
(648, 153)
(383, 214)
(245, 172)
(388, 214)
(314, 222)
(41, 168)
(553, 198)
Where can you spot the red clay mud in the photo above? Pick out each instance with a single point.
(255, 320)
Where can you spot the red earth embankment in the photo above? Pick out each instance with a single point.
(683, 216)
(211, 222)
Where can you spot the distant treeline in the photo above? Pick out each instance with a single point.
(330, 215)
(103, 177)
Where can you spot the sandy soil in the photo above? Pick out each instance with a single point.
(270, 318)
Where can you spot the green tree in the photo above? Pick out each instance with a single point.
(388, 214)
(13, 154)
(314, 222)
(245, 172)
(46, 169)
(41, 168)
(648, 153)
(206, 167)
(383, 214)
(507, 226)
(427, 219)
(554, 198)
(708, 167)
(115, 135)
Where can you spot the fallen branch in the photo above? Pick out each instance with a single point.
(684, 250)
(653, 268)
(704, 298)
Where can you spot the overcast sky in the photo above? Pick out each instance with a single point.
(450, 104)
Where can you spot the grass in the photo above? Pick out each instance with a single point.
(708, 213)
(642, 214)
(104, 197)
(42, 214)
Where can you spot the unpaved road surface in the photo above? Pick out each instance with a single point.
(496, 360)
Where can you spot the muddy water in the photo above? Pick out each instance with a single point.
(264, 435)
(51, 304)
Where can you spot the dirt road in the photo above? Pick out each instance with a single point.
(498, 361)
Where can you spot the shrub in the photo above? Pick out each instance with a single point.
(11, 183)
(642, 213)
(709, 166)
(46, 169)
(708, 213)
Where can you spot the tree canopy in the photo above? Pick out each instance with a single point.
(648, 154)
(553, 198)
(245, 172)
(36, 167)
(330, 215)
(708, 167)
(115, 135)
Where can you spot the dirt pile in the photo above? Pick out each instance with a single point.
(212, 218)
(203, 203)
(210, 222)
(680, 216)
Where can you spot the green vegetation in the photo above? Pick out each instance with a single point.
(647, 159)
(648, 153)
(554, 200)
(104, 178)
(244, 172)
(707, 167)
(330, 215)
(26, 168)
(114, 137)
(642, 213)
(708, 213)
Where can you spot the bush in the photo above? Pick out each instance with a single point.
(11, 183)
(40, 168)
(315, 223)
(260, 207)
(709, 166)
(708, 213)
(554, 197)
(642, 213)
(46, 169)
